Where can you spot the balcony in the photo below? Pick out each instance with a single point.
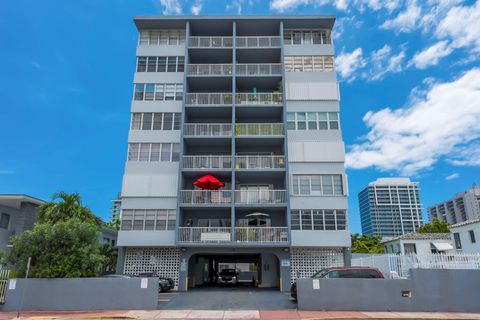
(200, 99)
(210, 42)
(259, 162)
(258, 129)
(260, 196)
(263, 98)
(259, 69)
(207, 130)
(262, 235)
(204, 234)
(258, 42)
(207, 162)
(209, 69)
(200, 197)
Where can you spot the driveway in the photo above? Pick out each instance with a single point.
(235, 298)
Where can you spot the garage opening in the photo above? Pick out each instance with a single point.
(233, 270)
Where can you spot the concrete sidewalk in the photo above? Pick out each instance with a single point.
(235, 315)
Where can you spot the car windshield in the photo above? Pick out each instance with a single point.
(320, 274)
(226, 272)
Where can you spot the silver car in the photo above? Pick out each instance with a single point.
(228, 276)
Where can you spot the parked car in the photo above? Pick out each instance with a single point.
(164, 283)
(228, 276)
(343, 273)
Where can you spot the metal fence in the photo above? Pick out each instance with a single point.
(399, 266)
(258, 42)
(210, 69)
(210, 42)
(207, 129)
(207, 162)
(260, 162)
(257, 234)
(265, 98)
(260, 196)
(204, 234)
(259, 129)
(4, 276)
(246, 69)
(198, 99)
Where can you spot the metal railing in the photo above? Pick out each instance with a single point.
(209, 69)
(205, 196)
(247, 69)
(260, 162)
(260, 196)
(258, 42)
(399, 266)
(4, 276)
(210, 42)
(259, 129)
(259, 234)
(207, 162)
(208, 98)
(204, 234)
(207, 129)
(259, 98)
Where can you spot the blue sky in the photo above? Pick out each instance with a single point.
(409, 76)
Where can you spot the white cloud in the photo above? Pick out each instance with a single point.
(405, 21)
(452, 176)
(431, 55)
(413, 138)
(383, 61)
(235, 5)
(343, 5)
(171, 7)
(348, 63)
(196, 7)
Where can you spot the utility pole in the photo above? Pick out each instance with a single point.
(24, 287)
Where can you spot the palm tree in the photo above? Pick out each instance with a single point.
(110, 254)
(63, 207)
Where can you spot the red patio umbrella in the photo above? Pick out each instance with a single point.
(208, 182)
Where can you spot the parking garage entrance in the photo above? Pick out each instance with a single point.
(228, 270)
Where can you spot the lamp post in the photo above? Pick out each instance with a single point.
(20, 304)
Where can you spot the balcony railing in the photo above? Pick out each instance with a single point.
(259, 234)
(260, 196)
(259, 98)
(205, 196)
(207, 129)
(258, 42)
(204, 235)
(260, 162)
(259, 69)
(207, 162)
(210, 42)
(208, 98)
(209, 69)
(258, 129)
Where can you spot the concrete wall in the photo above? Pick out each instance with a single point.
(431, 290)
(82, 294)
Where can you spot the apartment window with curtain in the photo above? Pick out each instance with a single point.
(154, 152)
(313, 121)
(318, 219)
(158, 92)
(317, 185)
(148, 219)
(156, 121)
(309, 64)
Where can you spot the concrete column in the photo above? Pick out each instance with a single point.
(347, 256)
(183, 271)
(284, 270)
(119, 268)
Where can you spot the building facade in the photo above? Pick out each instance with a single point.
(466, 236)
(464, 206)
(18, 212)
(390, 207)
(419, 243)
(253, 102)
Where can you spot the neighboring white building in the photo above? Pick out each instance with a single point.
(419, 243)
(464, 206)
(466, 236)
(390, 207)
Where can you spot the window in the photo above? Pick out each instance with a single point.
(158, 92)
(148, 220)
(313, 121)
(4, 220)
(472, 236)
(154, 152)
(141, 64)
(152, 64)
(306, 37)
(318, 219)
(162, 64)
(162, 37)
(180, 64)
(308, 63)
(409, 248)
(171, 64)
(458, 242)
(156, 121)
(317, 185)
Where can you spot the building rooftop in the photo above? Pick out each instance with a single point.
(464, 223)
(390, 181)
(421, 236)
(15, 200)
